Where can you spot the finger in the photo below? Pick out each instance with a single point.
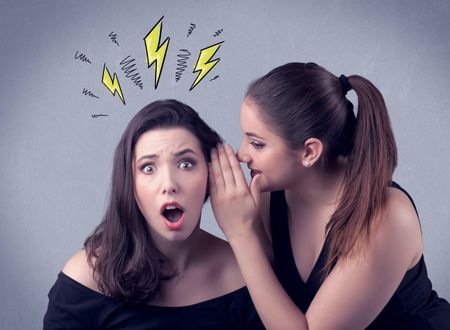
(216, 176)
(211, 180)
(228, 175)
(255, 189)
(239, 176)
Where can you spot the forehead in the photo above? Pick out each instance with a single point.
(250, 116)
(253, 125)
(252, 121)
(166, 140)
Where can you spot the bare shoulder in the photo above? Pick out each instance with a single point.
(399, 227)
(222, 264)
(78, 268)
(399, 206)
(399, 213)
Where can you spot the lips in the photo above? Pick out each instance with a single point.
(173, 215)
(253, 172)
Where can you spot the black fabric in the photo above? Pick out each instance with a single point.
(74, 306)
(414, 304)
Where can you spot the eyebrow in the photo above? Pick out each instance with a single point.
(177, 154)
(185, 151)
(251, 134)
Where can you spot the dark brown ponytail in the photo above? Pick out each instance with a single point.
(371, 164)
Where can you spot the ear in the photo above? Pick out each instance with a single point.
(312, 150)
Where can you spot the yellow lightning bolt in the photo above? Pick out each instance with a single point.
(155, 52)
(113, 85)
(204, 65)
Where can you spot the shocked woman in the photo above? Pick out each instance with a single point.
(148, 265)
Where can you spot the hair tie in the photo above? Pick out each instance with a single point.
(345, 84)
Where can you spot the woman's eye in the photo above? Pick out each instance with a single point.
(257, 145)
(186, 164)
(148, 169)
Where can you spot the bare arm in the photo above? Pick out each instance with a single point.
(276, 309)
(355, 291)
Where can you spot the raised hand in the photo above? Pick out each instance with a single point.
(234, 203)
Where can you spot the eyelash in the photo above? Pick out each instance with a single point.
(145, 166)
(191, 164)
(257, 145)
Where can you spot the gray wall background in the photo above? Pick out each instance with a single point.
(56, 159)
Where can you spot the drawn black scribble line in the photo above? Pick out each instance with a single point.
(87, 92)
(128, 67)
(214, 78)
(218, 32)
(113, 37)
(99, 115)
(191, 29)
(82, 57)
(181, 66)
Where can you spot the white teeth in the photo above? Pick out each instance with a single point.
(171, 207)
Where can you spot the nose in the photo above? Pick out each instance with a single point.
(169, 184)
(242, 153)
(169, 190)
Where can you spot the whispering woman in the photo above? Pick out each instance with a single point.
(347, 243)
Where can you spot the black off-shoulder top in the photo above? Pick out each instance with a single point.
(74, 306)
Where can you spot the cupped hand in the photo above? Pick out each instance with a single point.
(234, 203)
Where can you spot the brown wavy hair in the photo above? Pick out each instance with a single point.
(304, 100)
(126, 264)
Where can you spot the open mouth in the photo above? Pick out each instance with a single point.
(172, 213)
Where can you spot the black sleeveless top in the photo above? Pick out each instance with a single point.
(414, 304)
(74, 306)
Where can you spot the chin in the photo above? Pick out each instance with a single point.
(266, 187)
(173, 237)
(176, 237)
(180, 235)
(276, 185)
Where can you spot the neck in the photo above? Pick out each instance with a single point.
(180, 255)
(315, 190)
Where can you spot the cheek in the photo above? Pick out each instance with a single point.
(289, 171)
(200, 182)
(279, 170)
(139, 190)
(266, 161)
(143, 194)
(197, 183)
